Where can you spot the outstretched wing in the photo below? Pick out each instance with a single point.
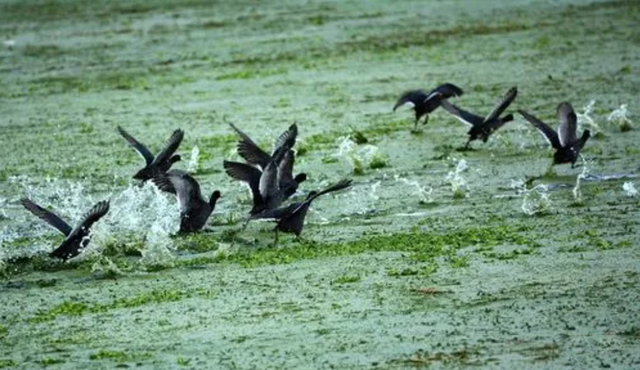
(412, 98)
(49, 217)
(446, 91)
(95, 213)
(246, 173)
(545, 130)
(568, 124)
(141, 149)
(170, 147)
(185, 187)
(276, 213)
(462, 115)
(249, 150)
(287, 139)
(503, 104)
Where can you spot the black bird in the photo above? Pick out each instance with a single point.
(160, 163)
(194, 209)
(76, 239)
(565, 142)
(482, 128)
(290, 219)
(253, 154)
(268, 188)
(424, 104)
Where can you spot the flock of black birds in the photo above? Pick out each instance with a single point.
(270, 176)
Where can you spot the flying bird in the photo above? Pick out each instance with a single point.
(482, 128)
(162, 162)
(290, 219)
(194, 208)
(76, 239)
(565, 141)
(423, 103)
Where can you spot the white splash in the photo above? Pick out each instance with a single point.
(358, 156)
(585, 119)
(374, 190)
(577, 194)
(630, 189)
(536, 200)
(620, 116)
(194, 161)
(457, 182)
(425, 193)
(140, 216)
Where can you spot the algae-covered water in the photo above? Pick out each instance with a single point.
(436, 258)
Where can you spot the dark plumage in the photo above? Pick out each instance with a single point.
(194, 208)
(565, 142)
(482, 128)
(254, 155)
(423, 103)
(290, 219)
(268, 188)
(76, 239)
(160, 163)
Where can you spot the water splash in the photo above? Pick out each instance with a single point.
(358, 156)
(630, 189)
(140, 217)
(536, 201)
(457, 182)
(424, 193)
(577, 193)
(194, 161)
(374, 191)
(585, 120)
(621, 117)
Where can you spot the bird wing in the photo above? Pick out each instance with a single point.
(269, 181)
(503, 104)
(287, 139)
(138, 146)
(95, 213)
(178, 182)
(342, 184)
(462, 115)
(568, 124)
(413, 97)
(170, 147)
(49, 217)
(250, 151)
(545, 130)
(246, 173)
(446, 90)
(276, 213)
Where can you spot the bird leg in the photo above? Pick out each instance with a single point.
(275, 240)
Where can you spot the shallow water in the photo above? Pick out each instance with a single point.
(435, 258)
